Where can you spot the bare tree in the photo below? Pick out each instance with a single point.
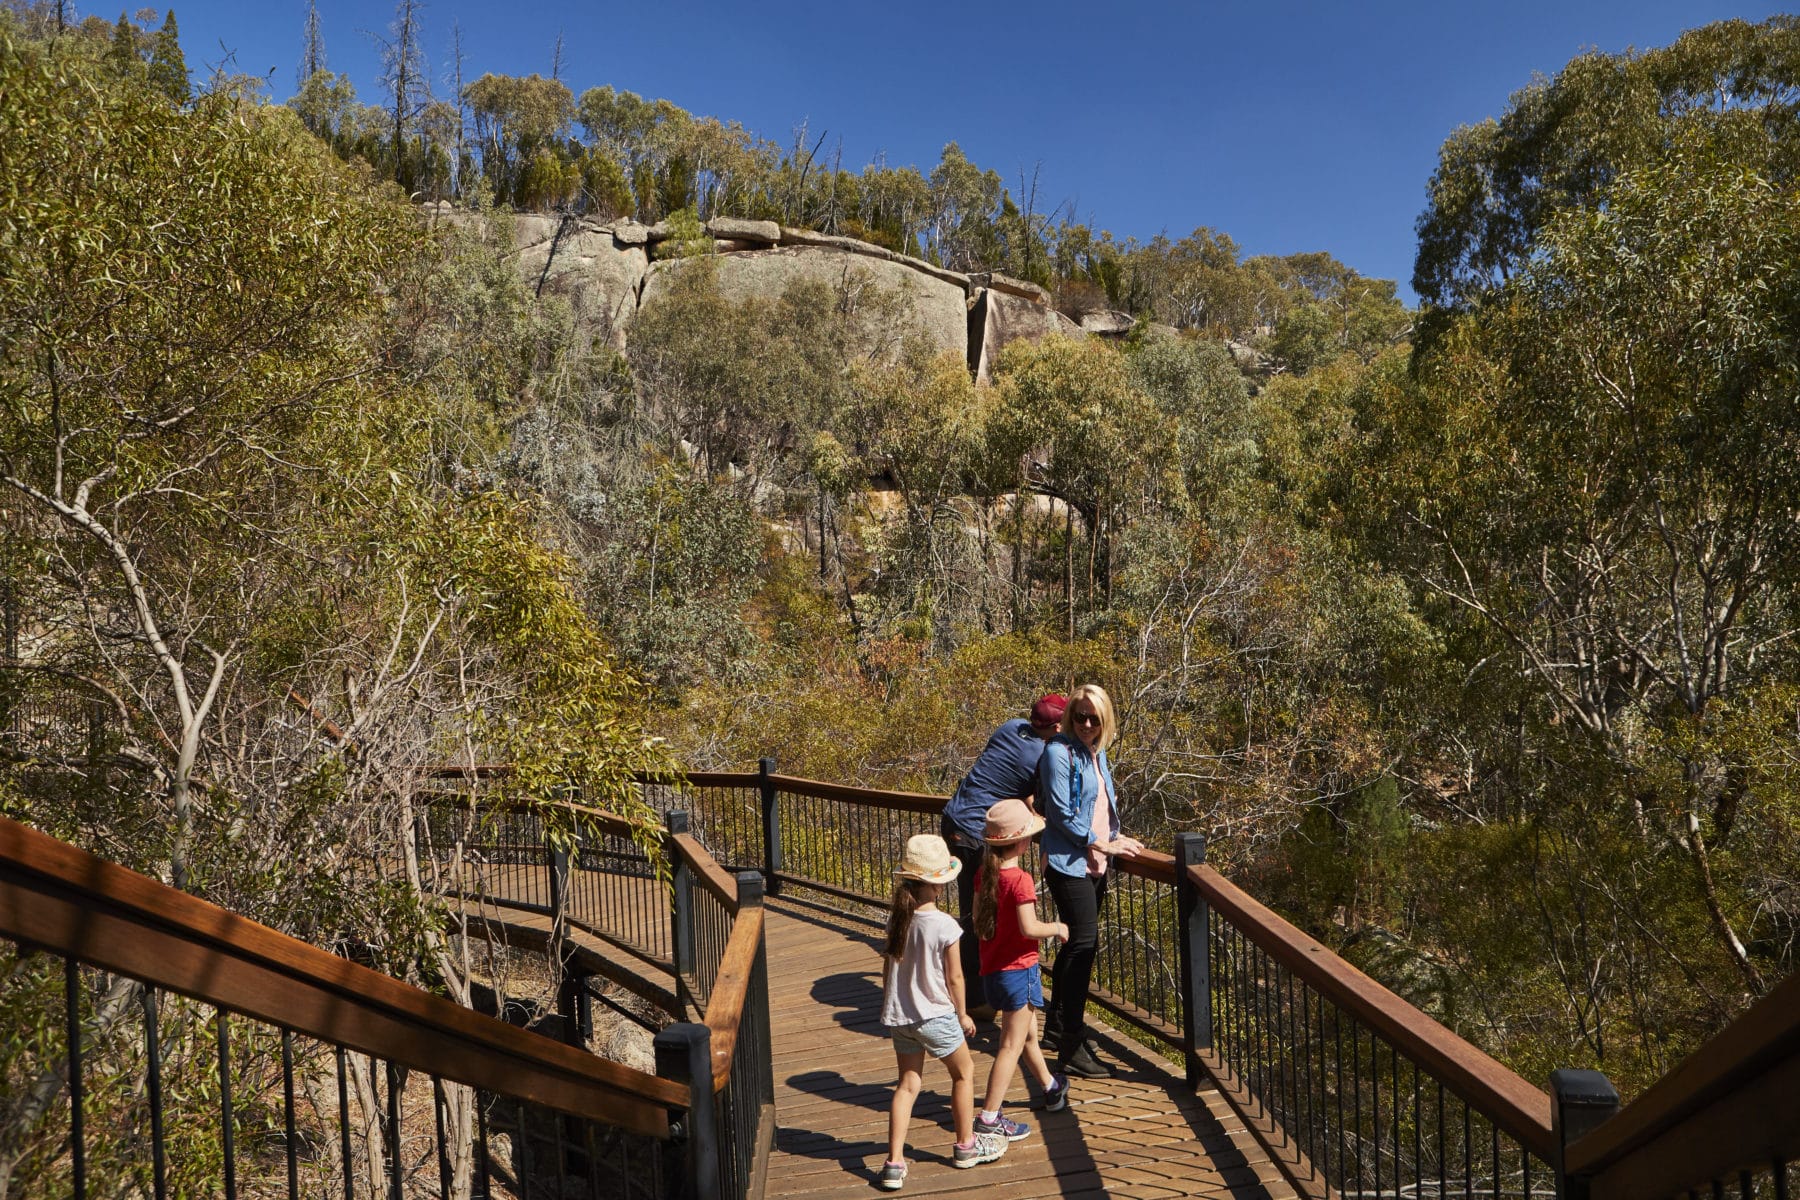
(312, 53)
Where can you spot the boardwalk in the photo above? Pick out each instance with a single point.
(1140, 1135)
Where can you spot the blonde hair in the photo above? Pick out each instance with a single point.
(1102, 704)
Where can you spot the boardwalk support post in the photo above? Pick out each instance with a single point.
(1580, 1101)
(771, 828)
(681, 919)
(1194, 949)
(684, 1054)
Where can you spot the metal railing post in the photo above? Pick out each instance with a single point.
(771, 828)
(681, 917)
(684, 1054)
(1580, 1101)
(1194, 949)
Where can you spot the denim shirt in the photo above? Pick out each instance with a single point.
(1068, 784)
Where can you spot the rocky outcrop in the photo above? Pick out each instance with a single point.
(608, 270)
(765, 233)
(933, 308)
(600, 276)
(1107, 323)
(999, 317)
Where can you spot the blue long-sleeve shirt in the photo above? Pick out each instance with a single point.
(1068, 784)
(1006, 769)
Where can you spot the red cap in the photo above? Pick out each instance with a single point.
(1049, 709)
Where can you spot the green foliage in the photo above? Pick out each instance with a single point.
(1563, 141)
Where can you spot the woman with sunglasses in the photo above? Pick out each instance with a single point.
(1081, 834)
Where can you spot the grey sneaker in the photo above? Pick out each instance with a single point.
(1012, 1131)
(892, 1176)
(987, 1147)
(1056, 1096)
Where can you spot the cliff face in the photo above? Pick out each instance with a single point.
(609, 271)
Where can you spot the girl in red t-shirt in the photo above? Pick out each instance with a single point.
(1007, 925)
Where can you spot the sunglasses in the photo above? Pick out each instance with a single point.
(1082, 718)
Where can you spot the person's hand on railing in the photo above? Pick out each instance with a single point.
(1125, 847)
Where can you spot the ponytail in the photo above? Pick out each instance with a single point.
(987, 895)
(900, 914)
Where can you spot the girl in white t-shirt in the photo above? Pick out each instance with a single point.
(922, 1006)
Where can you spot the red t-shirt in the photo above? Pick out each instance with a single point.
(1009, 949)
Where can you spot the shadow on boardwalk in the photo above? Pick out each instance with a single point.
(1140, 1135)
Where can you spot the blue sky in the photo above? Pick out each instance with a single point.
(1291, 126)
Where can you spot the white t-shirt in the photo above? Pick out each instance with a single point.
(915, 985)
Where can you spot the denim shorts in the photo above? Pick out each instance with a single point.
(936, 1036)
(1009, 991)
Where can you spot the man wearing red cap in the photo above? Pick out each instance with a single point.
(1006, 769)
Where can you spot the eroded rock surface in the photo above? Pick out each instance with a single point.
(931, 307)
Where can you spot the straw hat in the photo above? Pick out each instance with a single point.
(1010, 821)
(928, 859)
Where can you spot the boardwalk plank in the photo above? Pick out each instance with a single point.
(1140, 1135)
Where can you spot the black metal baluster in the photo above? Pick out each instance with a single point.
(287, 1112)
(1442, 1166)
(343, 1078)
(153, 1083)
(227, 1121)
(1525, 1172)
(395, 1085)
(1468, 1154)
(593, 1162)
(1375, 1105)
(1496, 1139)
(1356, 1094)
(481, 1149)
(77, 1126)
(1337, 1069)
(438, 1104)
(522, 1152)
(562, 1157)
(1394, 1117)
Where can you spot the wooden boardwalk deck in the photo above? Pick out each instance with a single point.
(1141, 1135)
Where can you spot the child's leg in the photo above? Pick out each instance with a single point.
(906, 1090)
(961, 1066)
(1015, 1034)
(1034, 1054)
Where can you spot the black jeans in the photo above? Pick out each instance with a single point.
(968, 853)
(1078, 899)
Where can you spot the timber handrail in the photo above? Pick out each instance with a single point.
(1509, 1101)
(1727, 1107)
(725, 1012)
(63, 899)
(725, 1007)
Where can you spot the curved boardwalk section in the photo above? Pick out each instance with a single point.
(1140, 1135)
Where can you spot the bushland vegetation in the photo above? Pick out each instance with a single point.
(1464, 634)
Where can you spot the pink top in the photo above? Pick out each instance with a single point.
(1102, 826)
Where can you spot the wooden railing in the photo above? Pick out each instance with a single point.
(1727, 1118)
(130, 956)
(702, 929)
(1351, 1089)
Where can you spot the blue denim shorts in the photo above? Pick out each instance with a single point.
(1009, 991)
(936, 1036)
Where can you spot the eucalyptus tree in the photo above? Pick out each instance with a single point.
(1608, 468)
